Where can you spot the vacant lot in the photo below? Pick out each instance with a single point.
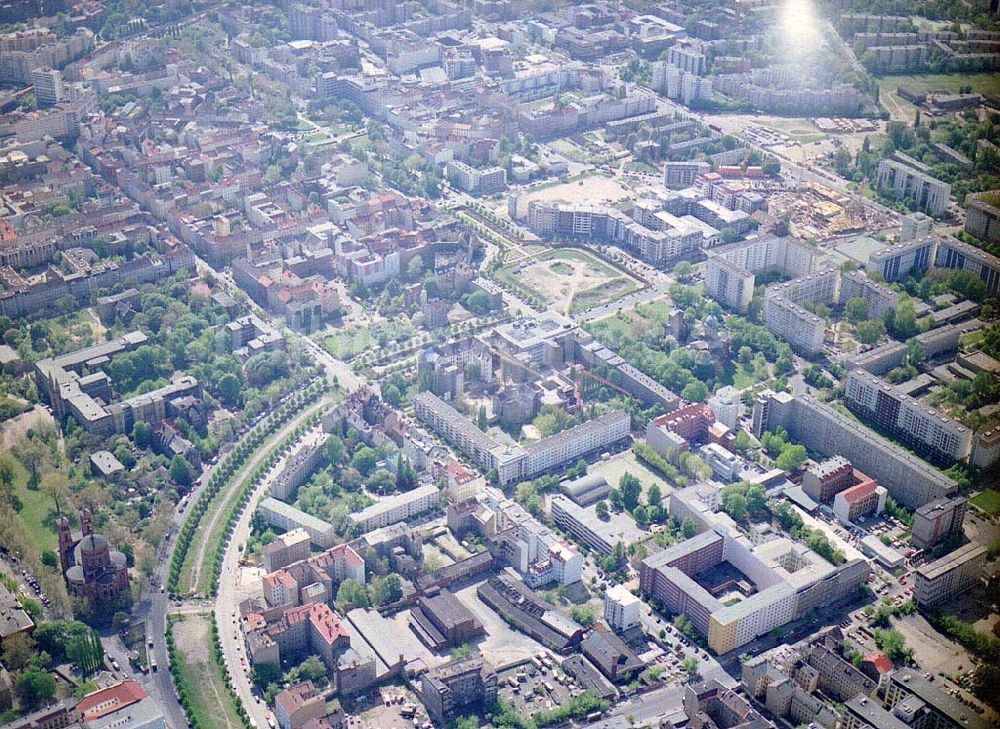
(569, 279)
(349, 343)
(592, 190)
(200, 675)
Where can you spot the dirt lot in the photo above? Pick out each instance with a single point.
(593, 190)
(192, 638)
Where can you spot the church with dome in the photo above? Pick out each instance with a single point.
(92, 569)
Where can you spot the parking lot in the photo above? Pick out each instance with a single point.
(535, 686)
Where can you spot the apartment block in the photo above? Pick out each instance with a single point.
(621, 608)
(982, 216)
(931, 433)
(915, 226)
(895, 262)
(822, 429)
(486, 181)
(864, 498)
(287, 548)
(730, 272)
(679, 175)
(398, 507)
(286, 517)
(880, 298)
(937, 521)
(920, 702)
(953, 253)
(950, 575)
(911, 180)
(448, 689)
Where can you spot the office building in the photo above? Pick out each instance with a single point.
(778, 579)
(590, 530)
(822, 429)
(929, 432)
(397, 507)
(725, 464)
(950, 575)
(122, 706)
(621, 608)
(907, 179)
(937, 521)
(469, 683)
(441, 620)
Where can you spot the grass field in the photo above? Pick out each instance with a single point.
(37, 512)
(981, 83)
(199, 677)
(568, 279)
(988, 501)
(348, 343)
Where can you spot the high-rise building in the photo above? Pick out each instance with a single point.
(824, 430)
(914, 226)
(621, 608)
(928, 431)
(727, 404)
(982, 216)
(951, 575)
(938, 520)
(49, 89)
(953, 253)
(907, 179)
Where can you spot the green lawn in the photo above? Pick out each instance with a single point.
(981, 83)
(988, 501)
(349, 342)
(36, 507)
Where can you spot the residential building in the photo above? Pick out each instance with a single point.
(710, 704)
(621, 608)
(931, 433)
(727, 406)
(915, 226)
(287, 548)
(488, 181)
(864, 498)
(938, 520)
(397, 507)
(49, 89)
(295, 706)
(822, 429)
(13, 618)
(982, 216)
(953, 253)
(313, 579)
(679, 175)
(299, 466)
(907, 179)
(826, 479)
(862, 712)
(950, 575)
(895, 262)
(286, 517)
(880, 298)
(612, 656)
(730, 271)
(466, 683)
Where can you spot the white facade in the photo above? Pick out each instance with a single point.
(621, 608)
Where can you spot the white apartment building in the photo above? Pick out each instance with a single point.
(398, 507)
(621, 608)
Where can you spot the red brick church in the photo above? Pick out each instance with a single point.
(92, 569)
